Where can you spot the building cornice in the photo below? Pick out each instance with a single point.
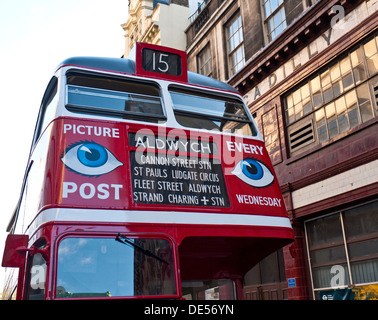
(297, 36)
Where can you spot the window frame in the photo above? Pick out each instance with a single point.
(234, 66)
(40, 244)
(270, 16)
(114, 113)
(201, 64)
(328, 89)
(211, 117)
(112, 235)
(345, 242)
(50, 96)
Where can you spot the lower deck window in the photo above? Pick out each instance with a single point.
(104, 267)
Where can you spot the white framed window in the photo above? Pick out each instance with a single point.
(204, 61)
(342, 250)
(235, 45)
(275, 17)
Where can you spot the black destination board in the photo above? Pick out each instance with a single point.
(167, 179)
(161, 62)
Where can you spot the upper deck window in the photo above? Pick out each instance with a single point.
(204, 111)
(114, 97)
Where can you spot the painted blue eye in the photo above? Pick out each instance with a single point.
(92, 155)
(90, 159)
(254, 173)
(252, 169)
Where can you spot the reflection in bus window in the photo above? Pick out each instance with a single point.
(37, 278)
(202, 111)
(114, 98)
(103, 267)
(216, 289)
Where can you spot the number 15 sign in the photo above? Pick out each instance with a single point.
(166, 63)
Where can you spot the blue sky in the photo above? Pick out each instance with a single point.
(34, 37)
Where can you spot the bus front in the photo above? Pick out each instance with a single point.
(153, 182)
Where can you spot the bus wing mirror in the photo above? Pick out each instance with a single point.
(15, 250)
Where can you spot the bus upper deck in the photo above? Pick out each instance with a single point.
(145, 155)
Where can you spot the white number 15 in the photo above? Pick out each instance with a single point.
(162, 65)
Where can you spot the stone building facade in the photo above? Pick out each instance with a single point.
(308, 71)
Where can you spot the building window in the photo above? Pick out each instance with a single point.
(235, 45)
(334, 100)
(275, 17)
(205, 62)
(342, 249)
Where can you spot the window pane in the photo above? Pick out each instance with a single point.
(298, 111)
(363, 95)
(335, 72)
(370, 48)
(330, 110)
(334, 255)
(320, 117)
(274, 4)
(202, 111)
(363, 249)
(323, 276)
(316, 93)
(373, 64)
(37, 278)
(267, 8)
(356, 57)
(364, 271)
(342, 119)
(345, 66)
(307, 107)
(235, 46)
(297, 96)
(325, 230)
(362, 220)
(328, 93)
(351, 99)
(354, 117)
(347, 81)
(332, 128)
(322, 133)
(325, 78)
(291, 115)
(103, 267)
(305, 90)
(114, 98)
(340, 105)
(269, 269)
(359, 73)
(366, 112)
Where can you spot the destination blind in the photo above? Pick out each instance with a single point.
(171, 179)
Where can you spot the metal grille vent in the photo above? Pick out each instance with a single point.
(376, 95)
(302, 136)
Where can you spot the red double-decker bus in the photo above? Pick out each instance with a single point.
(144, 181)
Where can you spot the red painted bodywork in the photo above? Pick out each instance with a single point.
(204, 252)
(203, 249)
(57, 173)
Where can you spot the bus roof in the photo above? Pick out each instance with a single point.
(122, 65)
